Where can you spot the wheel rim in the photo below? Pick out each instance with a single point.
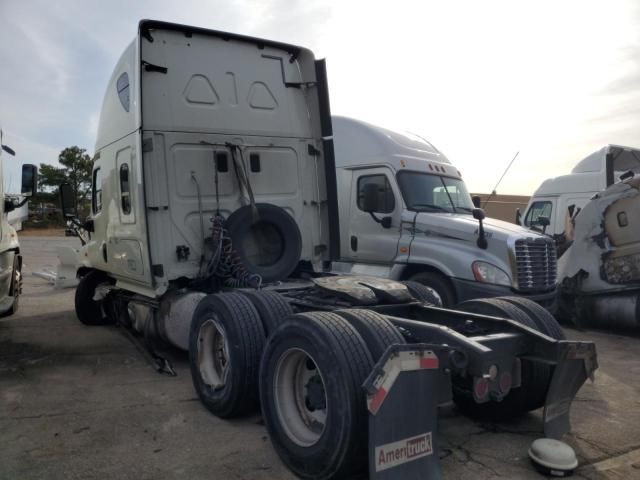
(17, 284)
(213, 354)
(300, 397)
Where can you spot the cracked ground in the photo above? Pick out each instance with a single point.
(81, 402)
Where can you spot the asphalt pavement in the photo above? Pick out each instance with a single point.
(79, 402)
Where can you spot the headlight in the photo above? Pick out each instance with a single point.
(487, 273)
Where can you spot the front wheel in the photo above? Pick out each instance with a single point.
(88, 310)
(439, 283)
(15, 288)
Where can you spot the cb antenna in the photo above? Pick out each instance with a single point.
(493, 192)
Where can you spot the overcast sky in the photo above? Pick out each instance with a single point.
(481, 80)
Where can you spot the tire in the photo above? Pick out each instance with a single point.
(271, 306)
(270, 247)
(377, 332)
(88, 311)
(226, 380)
(535, 376)
(439, 283)
(15, 288)
(545, 322)
(423, 293)
(335, 359)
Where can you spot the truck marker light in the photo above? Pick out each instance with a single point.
(480, 389)
(505, 382)
(403, 163)
(404, 249)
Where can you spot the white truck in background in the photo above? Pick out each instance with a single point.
(424, 226)
(558, 199)
(215, 226)
(592, 213)
(10, 257)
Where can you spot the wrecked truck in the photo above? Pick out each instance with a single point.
(592, 214)
(215, 226)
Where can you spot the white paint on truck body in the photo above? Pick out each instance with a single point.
(176, 100)
(409, 169)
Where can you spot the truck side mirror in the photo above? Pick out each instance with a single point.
(6, 148)
(478, 214)
(476, 201)
(370, 198)
(67, 201)
(29, 180)
(9, 150)
(518, 217)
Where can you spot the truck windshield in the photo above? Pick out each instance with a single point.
(423, 192)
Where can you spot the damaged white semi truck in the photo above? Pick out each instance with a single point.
(592, 215)
(215, 225)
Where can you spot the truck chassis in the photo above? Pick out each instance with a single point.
(317, 356)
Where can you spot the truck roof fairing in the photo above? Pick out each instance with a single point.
(146, 26)
(624, 158)
(359, 143)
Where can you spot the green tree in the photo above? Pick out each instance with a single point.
(76, 167)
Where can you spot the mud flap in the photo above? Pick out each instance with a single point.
(403, 392)
(577, 362)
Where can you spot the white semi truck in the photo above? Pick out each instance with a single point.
(591, 213)
(425, 227)
(10, 257)
(564, 195)
(215, 226)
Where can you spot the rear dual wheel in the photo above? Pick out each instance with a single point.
(310, 375)
(535, 376)
(311, 379)
(226, 340)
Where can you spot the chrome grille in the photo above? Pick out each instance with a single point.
(536, 264)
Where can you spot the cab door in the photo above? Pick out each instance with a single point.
(369, 241)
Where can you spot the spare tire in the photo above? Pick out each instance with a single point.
(268, 245)
(545, 322)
